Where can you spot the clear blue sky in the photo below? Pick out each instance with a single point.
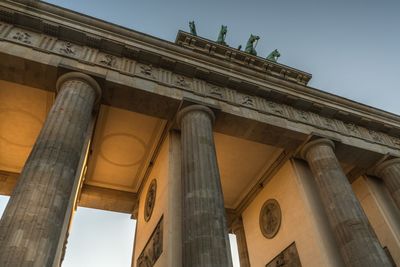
(350, 47)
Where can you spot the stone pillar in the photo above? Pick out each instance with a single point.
(31, 226)
(205, 240)
(238, 230)
(389, 171)
(356, 239)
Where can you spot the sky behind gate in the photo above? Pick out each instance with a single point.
(351, 47)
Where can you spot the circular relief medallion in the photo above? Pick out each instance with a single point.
(270, 218)
(150, 200)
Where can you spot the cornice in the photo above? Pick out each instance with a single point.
(121, 43)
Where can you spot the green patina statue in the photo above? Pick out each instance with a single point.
(239, 47)
(222, 35)
(274, 55)
(192, 27)
(250, 46)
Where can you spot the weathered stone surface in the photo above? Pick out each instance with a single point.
(356, 240)
(205, 235)
(389, 171)
(30, 228)
(238, 230)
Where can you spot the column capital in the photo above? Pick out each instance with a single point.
(383, 165)
(182, 113)
(317, 142)
(81, 77)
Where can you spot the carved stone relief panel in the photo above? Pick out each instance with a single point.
(153, 249)
(182, 81)
(23, 36)
(150, 200)
(107, 60)
(270, 218)
(216, 91)
(289, 257)
(147, 71)
(246, 100)
(68, 49)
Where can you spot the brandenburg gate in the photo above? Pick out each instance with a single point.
(194, 139)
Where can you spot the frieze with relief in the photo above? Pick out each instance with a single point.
(153, 249)
(289, 257)
(65, 48)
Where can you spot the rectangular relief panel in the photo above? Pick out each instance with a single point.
(153, 249)
(289, 257)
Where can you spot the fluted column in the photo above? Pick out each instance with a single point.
(238, 230)
(30, 228)
(356, 239)
(205, 235)
(389, 171)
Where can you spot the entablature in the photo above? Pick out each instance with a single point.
(137, 55)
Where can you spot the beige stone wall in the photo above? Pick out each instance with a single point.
(381, 211)
(145, 229)
(299, 224)
(166, 171)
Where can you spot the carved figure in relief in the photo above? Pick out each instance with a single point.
(23, 37)
(274, 55)
(247, 100)
(396, 141)
(280, 261)
(303, 115)
(67, 48)
(180, 80)
(144, 261)
(108, 60)
(150, 200)
(328, 122)
(192, 28)
(375, 136)
(146, 70)
(251, 44)
(274, 107)
(157, 244)
(351, 127)
(217, 91)
(222, 34)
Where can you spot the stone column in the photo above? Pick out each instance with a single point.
(238, 230)
(356, 239)
(31, 226)
(389, 171)
(205, 240)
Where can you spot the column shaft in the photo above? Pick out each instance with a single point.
(205, 235)
(355, 237)
(30, 228)
(389, 171)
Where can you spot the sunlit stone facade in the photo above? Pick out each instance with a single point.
(194, 139)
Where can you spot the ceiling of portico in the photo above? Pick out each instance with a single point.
(241, 163)
(23, 111)
(122, 146)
